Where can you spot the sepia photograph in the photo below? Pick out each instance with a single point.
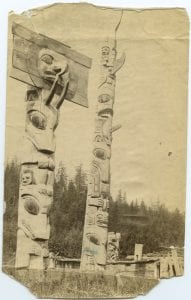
(95, 149)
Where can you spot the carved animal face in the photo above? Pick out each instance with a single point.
(51, 64)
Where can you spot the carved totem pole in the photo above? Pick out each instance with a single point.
(94, 248)
(51, 78)
(113, 246)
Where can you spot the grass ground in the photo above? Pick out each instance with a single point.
(73, 284)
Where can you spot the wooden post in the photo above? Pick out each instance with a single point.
(53, 72)
(175, 262)
(94, 247)
(138, 253)
(164, 267)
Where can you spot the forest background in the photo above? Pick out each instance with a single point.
(155, 225)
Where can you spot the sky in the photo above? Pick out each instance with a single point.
(149, 151)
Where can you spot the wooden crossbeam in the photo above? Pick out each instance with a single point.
(26, 47)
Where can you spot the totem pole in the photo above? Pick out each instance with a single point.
(94, 248)
(113, 246)
(51, 78)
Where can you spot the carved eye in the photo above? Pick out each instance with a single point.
(31, 205)
(93, 239)
(100, 153)
(38, 119)
(48, 59)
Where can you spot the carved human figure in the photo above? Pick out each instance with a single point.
(27, 177)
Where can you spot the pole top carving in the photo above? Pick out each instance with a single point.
(36, 58)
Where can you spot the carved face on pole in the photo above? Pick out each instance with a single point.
(27, 177)
(105, 55)
(51, 77)
(43, 107)
(37, 172)
(51, 64)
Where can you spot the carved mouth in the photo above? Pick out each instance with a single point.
(105, 113)
(50, 76)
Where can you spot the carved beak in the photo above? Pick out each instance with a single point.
(63, 81)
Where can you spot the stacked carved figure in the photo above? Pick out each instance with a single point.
(94, 248)
(37, 165)
(113, 246)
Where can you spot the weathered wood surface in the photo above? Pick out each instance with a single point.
(26, 47)
(44, 41)
(175, 261)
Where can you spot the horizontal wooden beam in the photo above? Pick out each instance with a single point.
(46, 42)
(26, 47)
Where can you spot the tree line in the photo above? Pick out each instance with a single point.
(153, 225)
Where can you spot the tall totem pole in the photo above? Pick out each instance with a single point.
(94, 248)
(53, 72)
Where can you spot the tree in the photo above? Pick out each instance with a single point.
(163, 227)
(67, 215)
(11, 196)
